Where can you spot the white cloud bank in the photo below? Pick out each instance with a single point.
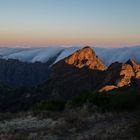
(107, 55)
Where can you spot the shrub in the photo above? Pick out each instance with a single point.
(78, 101)
(120, 99)
(50, 105)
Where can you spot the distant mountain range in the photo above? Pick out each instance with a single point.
(82, 71)
(30, 66)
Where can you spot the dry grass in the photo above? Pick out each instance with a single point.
(80, 124)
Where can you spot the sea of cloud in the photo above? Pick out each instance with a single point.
(43, 54)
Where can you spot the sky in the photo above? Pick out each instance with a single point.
(102, 23)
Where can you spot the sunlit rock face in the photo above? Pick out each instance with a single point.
(135, 66)
(118, 74)
(136, 69)
(85, 57)
(108, 88)
(126, 73)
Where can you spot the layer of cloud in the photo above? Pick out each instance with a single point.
(107, 55)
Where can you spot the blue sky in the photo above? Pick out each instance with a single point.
(102, 23)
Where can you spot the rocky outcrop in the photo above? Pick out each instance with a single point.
(81, 59)
(79, 72)
(85, 57)
(135, 66)
(119, 75)
(136, 69)
(108, 88)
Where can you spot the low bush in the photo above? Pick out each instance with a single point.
(116, 100)
(120, 99)
(50, 105)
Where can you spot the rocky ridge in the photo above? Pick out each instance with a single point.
(85, 57)
(72, 72)
(81, 72)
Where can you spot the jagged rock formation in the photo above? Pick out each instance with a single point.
(85, 57)
(136, 69)
(83, 70)
(135, 66)
(119, 75)
(79, 72)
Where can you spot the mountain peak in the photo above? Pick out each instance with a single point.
(134, 65)
(87, 47)
(85, 57)
(131, 62)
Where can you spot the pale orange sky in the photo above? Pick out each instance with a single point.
(103, 23)
(44, 39)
